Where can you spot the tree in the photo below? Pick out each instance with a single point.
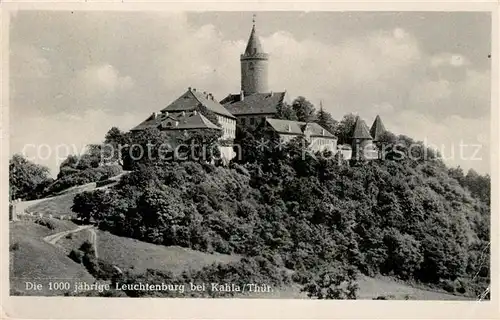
(202, 145)
(478, 185)
(304, 109)
(325, 120)
(147, 147)
(115, 140)
(26, 177)
(404, 253)
(286, 112)
(457, 174)
(210, 115)
(344, 128)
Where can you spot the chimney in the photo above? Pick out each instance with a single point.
(322, 132)
(242, 95)
(271, 93)
(289, 128)
(176, 123)
(189, 88)
(166, 113)
(153, 115)
(183, 113)
(194, 89)
(195, 112)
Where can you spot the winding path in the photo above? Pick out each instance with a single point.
(53, 238)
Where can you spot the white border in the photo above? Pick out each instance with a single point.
(156, 308)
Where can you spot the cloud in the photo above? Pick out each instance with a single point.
(461, 141)
(102, 79)
(449, 59)
(29, 63)
(50, 139)
(365, 61)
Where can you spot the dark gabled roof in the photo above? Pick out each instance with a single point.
(298, 128)
(255, 103)
(377, 128)
(192, 98)
(179, 120)
(360, 130)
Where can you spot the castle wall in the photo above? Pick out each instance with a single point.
(323, 144)
(227, 152)
(364, 149)
(228, 127)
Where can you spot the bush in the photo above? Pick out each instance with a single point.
(448, 285)
(46, 222)
(91, 264)
(76, 255)
(106, 270)
(14, 246)
(80, 177)
(87, 247)
(104, 182)
(332, 281)
(110, 170)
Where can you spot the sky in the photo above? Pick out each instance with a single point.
(76, 74)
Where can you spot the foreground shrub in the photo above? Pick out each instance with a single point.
(46, 222)
(332, 281)
(76, 255)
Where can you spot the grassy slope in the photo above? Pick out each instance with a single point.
(36, 260)
(56, 206)
(137, 256)
(370, 288)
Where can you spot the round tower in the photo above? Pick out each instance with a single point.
(254, 64)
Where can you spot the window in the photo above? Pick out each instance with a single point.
(252, 121)
(243, 121)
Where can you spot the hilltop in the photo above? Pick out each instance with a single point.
(313, 214)
(294, 218)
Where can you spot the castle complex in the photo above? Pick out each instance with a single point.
(256, 105)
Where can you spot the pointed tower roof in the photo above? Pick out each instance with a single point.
(360, 130)
(253, 46)
(377, 128)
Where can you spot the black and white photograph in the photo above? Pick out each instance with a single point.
(308, 155)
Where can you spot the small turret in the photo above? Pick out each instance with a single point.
(361, 140)
(377, 129)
